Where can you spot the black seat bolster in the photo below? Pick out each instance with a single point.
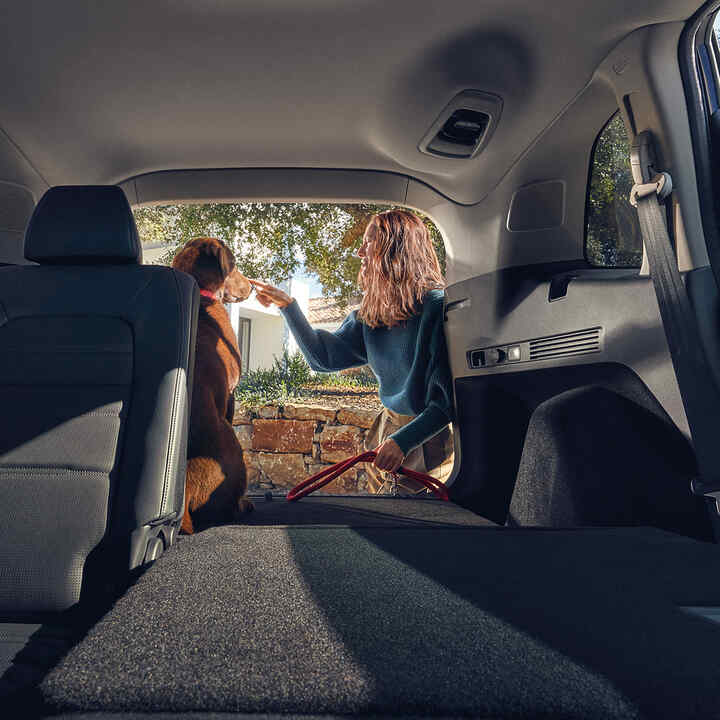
(154, 481)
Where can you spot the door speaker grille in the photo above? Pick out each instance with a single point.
(579, 342)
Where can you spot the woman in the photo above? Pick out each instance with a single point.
(398, 332)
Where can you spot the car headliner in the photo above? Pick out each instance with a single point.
(102, 92)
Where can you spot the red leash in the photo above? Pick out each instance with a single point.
(318, 480)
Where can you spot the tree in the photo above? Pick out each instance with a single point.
(613, 230)
(273, 241)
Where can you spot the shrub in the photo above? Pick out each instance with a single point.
(349, 381)
(261, 387)
(363, 375)
(293, 369)
(290, 377)
(275, 385)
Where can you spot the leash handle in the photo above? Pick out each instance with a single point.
(318, 480)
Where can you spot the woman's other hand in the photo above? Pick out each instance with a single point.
(268, 295)
(389, 456)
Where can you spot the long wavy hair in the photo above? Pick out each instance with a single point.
(400, 267)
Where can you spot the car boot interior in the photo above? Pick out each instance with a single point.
(573, 574)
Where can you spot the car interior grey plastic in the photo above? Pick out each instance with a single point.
(16, 207)
(487, 105)
(538, 206)
(244, 120)
(512, 306)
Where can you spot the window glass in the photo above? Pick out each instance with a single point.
(243, 333)
(612, 235)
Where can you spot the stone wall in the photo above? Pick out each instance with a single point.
(283, 445)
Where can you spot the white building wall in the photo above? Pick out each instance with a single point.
(269, 333)
(266, 341)
(266, 332)
(301, 292)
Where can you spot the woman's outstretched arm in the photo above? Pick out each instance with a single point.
(324, 351)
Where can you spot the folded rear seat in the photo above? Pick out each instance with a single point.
(433, 618)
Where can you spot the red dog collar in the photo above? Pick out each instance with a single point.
(208, 294)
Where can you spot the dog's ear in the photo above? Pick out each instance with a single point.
(186, 258)
(208, 260)
(224, 256)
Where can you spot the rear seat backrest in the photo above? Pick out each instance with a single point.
(94, 396)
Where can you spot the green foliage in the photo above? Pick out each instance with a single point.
(293, 370)
(275, 385)
(363, 376)
(345, 381)
(291, 377)
(613, 231)
(261, 387)
(273, 241)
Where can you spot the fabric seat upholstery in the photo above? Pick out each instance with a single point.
(95, 378)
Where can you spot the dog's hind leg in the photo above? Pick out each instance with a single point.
(187, 525)
(244, 503)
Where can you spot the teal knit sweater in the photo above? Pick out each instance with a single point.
(410, 362)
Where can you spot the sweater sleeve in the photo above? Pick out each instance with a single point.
(327, 351)
(438, 410)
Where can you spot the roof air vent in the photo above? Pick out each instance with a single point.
(464, 126)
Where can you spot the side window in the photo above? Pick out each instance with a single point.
(244, 344)
(612, 232)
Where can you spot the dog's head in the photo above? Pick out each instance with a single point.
(212, 264)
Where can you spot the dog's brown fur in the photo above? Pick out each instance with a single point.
(216, 479)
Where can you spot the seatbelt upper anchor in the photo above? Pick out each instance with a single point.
(661, 185)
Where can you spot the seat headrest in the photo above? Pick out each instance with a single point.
(83, 225)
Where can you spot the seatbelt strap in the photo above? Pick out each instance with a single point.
(699, 392)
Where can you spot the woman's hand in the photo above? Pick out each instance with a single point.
(389, 456)
(268, 295)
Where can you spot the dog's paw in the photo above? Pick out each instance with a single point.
(245, 505)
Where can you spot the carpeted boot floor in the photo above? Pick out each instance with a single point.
(368, 511)
(494, 623)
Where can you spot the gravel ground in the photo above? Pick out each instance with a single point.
(339, 397)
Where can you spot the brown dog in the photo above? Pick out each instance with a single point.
(216, 479)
